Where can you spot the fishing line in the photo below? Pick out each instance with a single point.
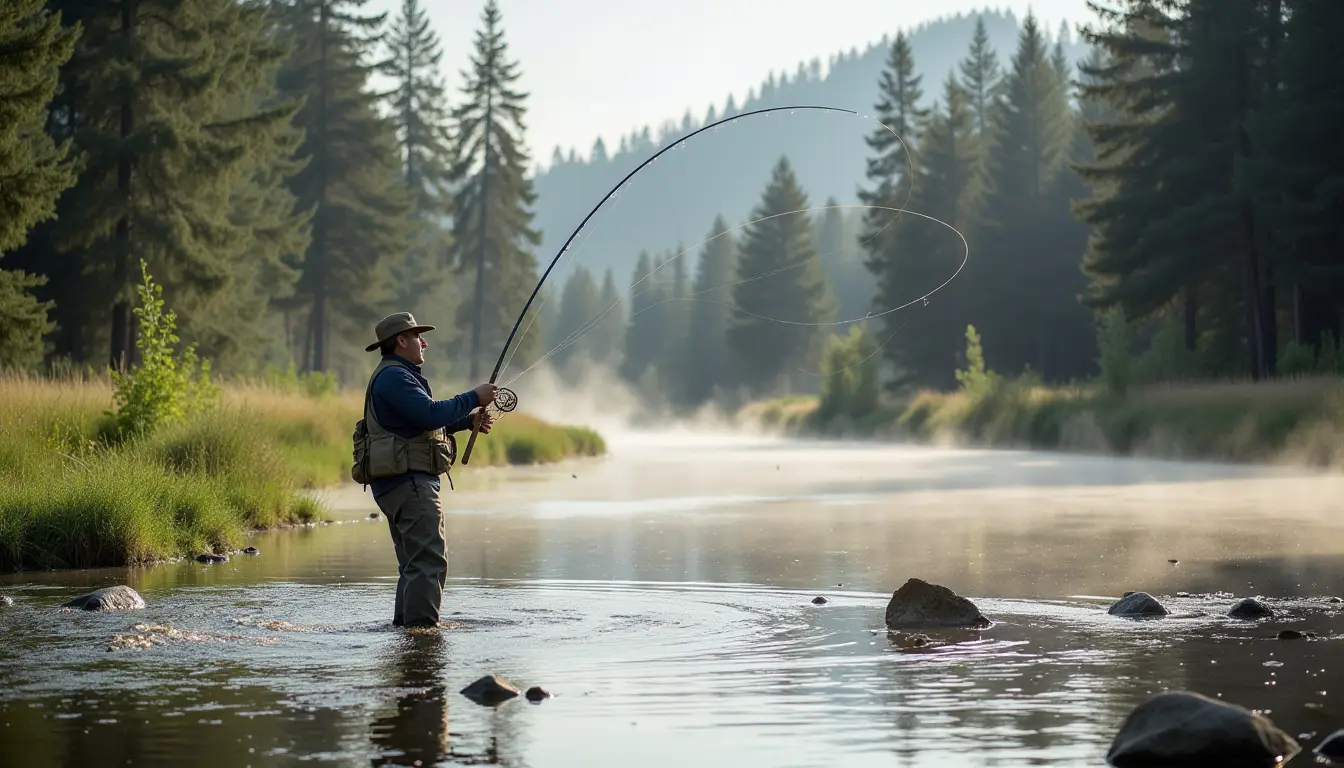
(624, 183)
(924, 298)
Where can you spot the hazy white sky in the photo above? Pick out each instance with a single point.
(603, 67)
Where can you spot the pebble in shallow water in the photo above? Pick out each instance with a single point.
(1135, 604)
(536, 694)
(819, 600)
(1250, 608)
(209, 558)
(490, 690)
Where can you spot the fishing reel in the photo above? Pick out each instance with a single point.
(505, 400)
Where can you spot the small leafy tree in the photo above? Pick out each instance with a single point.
(975, 379)
(161, 389)
(850, 387)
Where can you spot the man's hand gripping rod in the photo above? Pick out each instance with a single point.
(504, 400)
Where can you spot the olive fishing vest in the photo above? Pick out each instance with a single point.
(380, 454)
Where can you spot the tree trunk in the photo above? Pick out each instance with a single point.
(1191, 317)
(121, 306)
(482, 205)
(317, 318)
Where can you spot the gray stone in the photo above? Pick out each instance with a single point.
(490, 690)
(118, 598)
(921, 604)
(6, 601)
(1250, 609)
(1184, 728)
(1137, 604)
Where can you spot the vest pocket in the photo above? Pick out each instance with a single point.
(387, 457)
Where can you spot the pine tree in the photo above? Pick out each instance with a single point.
(492, 232)
(609, 329)
(420, 116)
(768, 351)
(712, 293)
(167, 101)
(579, 307)
(34, 171)
(1023, 279)
(644, 334)
(1304, 162)
(981, 77)
(889, 168)
(351, 181)
(948, 189)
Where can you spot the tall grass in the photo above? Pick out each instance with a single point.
(75, 494)
(1297, 420)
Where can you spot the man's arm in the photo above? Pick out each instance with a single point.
(396, 388)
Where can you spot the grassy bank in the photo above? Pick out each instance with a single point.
(72, 495)
(1298, 421)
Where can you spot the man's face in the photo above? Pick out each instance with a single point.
(412, 347)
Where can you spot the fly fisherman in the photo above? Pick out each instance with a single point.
(403, 445)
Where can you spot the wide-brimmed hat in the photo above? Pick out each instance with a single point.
(398, 322)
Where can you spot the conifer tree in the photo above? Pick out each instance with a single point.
(888, 168)
(609, 330)
(579, 306)
(767, 351)
(711, 309)
(981, 78)
(34, 171)
(1023, 279)
(644, 334)
(420, 115)
(492, 224)
(948, 189)
(167, 102)
(351, 181)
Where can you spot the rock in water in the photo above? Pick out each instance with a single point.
(1138, 604)
(6, 601)
(921, 604)
(1332, 747)
(1290, 634)
(1250, 608)
(209, 558)
(489, 690)
(251, 551)
(819, 600)
(118, 598)
(537, 693)
(1183, 728)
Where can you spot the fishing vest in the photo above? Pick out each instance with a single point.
(380, 454)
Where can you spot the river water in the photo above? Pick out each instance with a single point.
(663, 594)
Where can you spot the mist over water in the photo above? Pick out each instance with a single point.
(664, 595)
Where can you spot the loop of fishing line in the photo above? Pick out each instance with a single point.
(505, 358)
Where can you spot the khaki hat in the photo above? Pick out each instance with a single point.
(398, 322)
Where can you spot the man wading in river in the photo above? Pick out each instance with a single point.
(402, 446)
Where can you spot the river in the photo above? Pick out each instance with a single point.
(663, 594)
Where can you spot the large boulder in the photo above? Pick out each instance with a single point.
(921, 604)
(1184, 728)
(118, 598)
(1137, 604)
(1250, 609)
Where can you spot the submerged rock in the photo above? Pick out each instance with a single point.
(1184, 728)
(118, 598)
(373, 515)
(1335, 600)
(209, 558)
(1332, 747)
(251, 551)
(1292, 634)
(819, 600)
(6, 601)
(1250, 608)
(489, 690)
(537, 693)
(921, 604)
(1135, 604)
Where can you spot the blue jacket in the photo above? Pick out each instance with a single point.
(404, 405)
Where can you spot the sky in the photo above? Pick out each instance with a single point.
(603, 67)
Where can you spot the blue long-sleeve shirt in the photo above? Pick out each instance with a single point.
(404, 405)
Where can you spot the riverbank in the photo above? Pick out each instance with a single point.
(1299, 421)
(73, 497)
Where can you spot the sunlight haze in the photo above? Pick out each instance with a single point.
(601, 67)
